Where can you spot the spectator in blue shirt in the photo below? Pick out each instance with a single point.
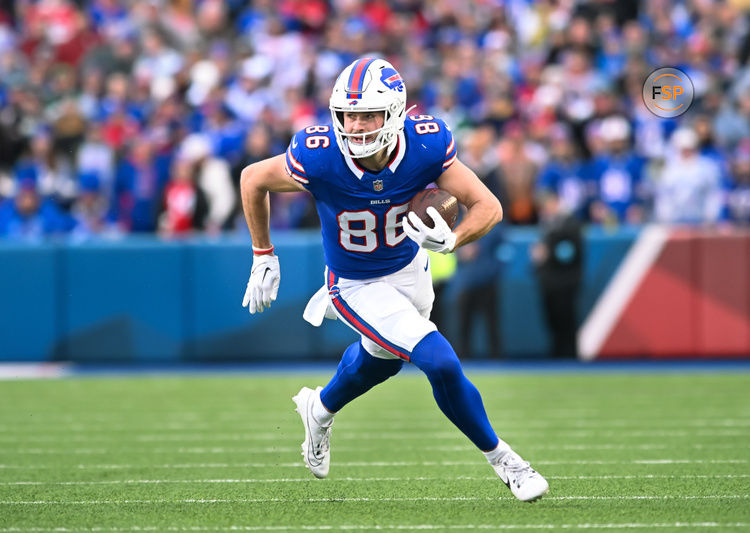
(29, 217)
(138, 186)
(90, 214)
(565, 174)
(617, 177)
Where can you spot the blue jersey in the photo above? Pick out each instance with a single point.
(360, 210)
(618, 180)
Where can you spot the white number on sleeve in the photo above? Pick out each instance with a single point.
(316, 141)
(427, 127)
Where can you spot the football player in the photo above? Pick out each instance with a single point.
(362, 169)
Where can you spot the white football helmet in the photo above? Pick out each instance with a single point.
(368, 85)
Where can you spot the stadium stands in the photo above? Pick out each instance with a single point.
(105, 104)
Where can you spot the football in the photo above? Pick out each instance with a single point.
(445, 203)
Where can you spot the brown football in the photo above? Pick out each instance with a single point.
(445, 203)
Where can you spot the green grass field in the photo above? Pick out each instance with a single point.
(635, 452)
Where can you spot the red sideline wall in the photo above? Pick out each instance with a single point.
(693, 301)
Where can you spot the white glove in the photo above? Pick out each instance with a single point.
(438, 239)
(263, 285)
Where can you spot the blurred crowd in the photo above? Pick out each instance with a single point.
(123, 116)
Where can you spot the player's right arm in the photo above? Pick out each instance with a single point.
(256, 181)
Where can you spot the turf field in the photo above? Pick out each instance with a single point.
(212, 453)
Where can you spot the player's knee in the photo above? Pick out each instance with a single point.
(436, 358)
(379, 368)
(366, 370)
(447, 367)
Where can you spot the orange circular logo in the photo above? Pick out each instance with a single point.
(668, 92)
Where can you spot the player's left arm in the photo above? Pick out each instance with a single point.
(483, 207)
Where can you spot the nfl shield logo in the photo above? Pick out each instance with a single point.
(377, 185)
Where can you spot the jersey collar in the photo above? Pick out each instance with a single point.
(400, 151)
(393, 165)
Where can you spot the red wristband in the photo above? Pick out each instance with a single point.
(263, 251)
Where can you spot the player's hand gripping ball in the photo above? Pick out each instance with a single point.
(443, 201)
(433, 212)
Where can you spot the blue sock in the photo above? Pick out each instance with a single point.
(357, 373)
(456, 396)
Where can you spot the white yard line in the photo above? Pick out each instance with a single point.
(391, 435)
(353, 449)
(162, 501)
(376, 464)
(361, 479)
(381, 527)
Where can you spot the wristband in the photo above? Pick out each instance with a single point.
(263, 251)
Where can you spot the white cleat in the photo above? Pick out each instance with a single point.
(524, 482)
(316, 449)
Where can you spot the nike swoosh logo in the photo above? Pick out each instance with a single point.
(294, 142)
(310, 446)
(427, 265)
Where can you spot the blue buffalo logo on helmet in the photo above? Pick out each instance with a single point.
(392, 79)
